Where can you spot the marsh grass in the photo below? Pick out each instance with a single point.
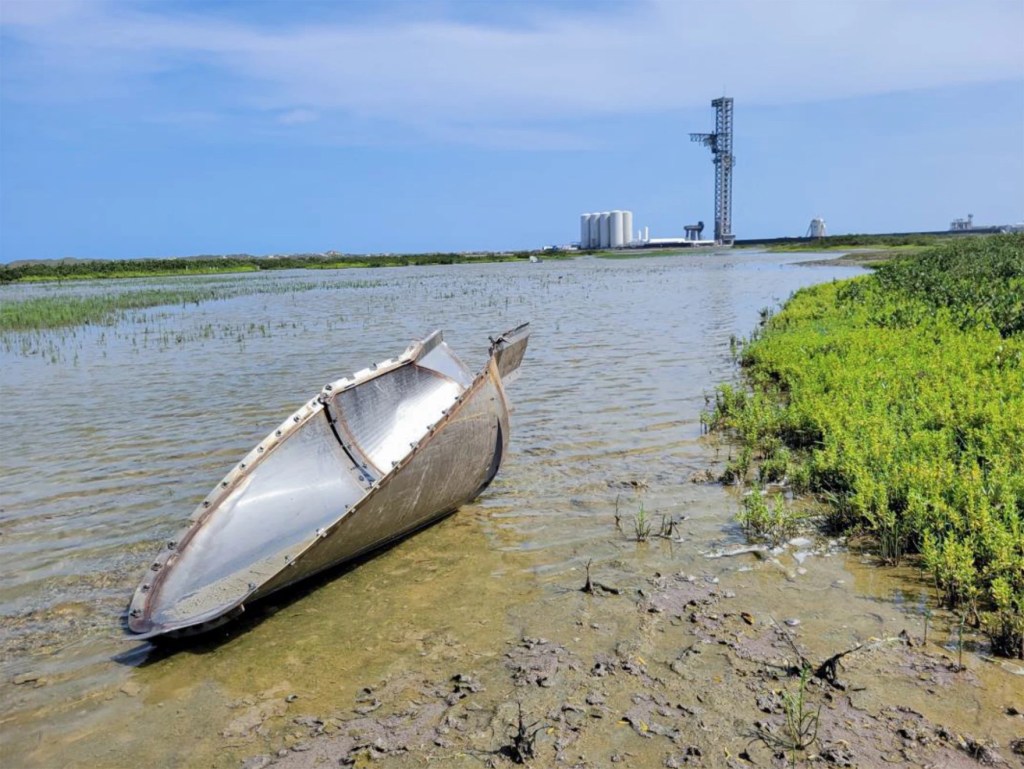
(773, 523)
(641, 524)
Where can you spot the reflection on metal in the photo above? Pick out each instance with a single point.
(372, 458)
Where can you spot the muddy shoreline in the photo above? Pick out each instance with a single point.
(678, 670)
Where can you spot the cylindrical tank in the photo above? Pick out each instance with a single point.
(604, 230)
(585, 230)
(627, 227)
(616, 236)
(595, 231)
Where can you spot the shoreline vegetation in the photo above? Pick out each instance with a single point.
(897, 399)
(100, 269)
(31, 270)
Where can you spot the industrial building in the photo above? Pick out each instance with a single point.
(614, 229)
(609, 229)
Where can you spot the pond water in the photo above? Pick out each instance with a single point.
(114, 433)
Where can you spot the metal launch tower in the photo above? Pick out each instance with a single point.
(720, 143)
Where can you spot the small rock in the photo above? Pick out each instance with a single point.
(838, 754)
(1014, 710)
(130, 688)
(792, 622)
(301, 747)
(257, 762)
(26, 678)
(368, 708)
(291, 698)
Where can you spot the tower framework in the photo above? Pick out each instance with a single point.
(720, 143)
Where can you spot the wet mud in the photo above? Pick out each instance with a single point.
(685, 670)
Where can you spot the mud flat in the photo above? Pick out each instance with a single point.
(676, 670)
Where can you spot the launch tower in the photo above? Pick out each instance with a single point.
(720, 143)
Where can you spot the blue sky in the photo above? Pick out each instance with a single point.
(150, 128)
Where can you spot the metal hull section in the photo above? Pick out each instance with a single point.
(372, 458)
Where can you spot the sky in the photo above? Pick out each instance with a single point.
(143, 128)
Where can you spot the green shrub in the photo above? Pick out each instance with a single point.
(898, 398)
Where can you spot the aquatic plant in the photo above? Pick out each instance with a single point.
(773, 524)
(800, 728)
(898, 398)
(641, 524)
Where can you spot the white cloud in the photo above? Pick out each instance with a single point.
(449, 78)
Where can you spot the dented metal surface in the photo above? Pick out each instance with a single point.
(372, 458)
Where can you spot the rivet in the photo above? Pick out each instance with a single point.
(295, 418)
(328, 388)
(259, 450)
(224, 484)
(242, 466)
(155, 567)
(145, 587)
(171, 545)
(278, 433)
(206, 503)
(135, 613)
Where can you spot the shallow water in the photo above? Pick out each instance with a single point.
(115, 433)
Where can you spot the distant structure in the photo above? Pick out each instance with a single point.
(720, 143)
(609, 229)
(959, 225)
(693, 231)
(816, 229)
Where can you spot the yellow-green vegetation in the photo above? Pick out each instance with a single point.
(898, 397)
(772, 524)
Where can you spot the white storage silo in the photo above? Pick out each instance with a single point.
(616, 236)
(604, 224)
(627, 226)
(595, 231)
(585, 230)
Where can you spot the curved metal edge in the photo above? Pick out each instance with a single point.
(142, 629)
(149, 588)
